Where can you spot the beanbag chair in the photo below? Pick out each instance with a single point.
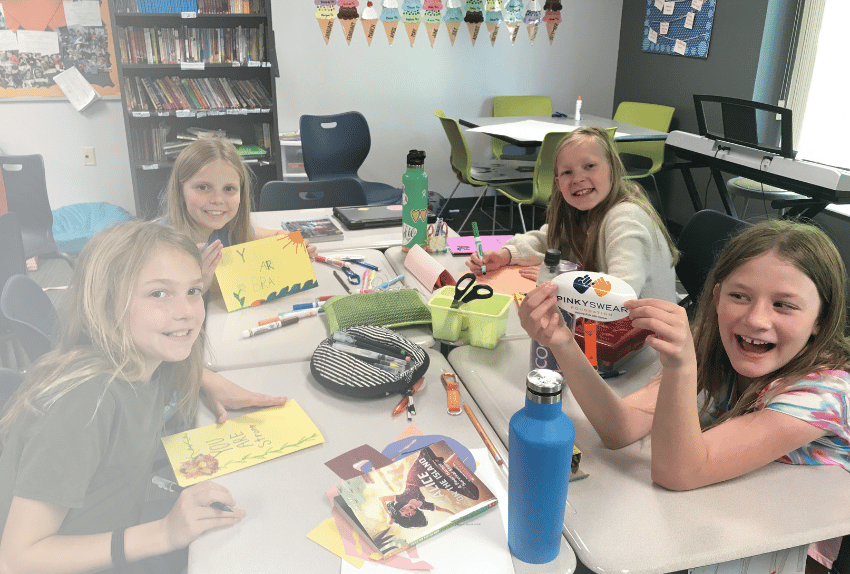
(73, 225)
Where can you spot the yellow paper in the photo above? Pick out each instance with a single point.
(327, 536)
(206, 452)
(263, 270)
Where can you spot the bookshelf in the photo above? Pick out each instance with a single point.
(189, 66)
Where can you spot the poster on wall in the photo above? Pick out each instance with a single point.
(680, 27)
(40, 39)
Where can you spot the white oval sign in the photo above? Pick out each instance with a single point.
(594, 296)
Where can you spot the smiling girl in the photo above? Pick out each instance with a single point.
(597, 219)
(80, 435)
(768, 357)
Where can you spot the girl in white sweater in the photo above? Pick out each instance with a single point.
(599, 220)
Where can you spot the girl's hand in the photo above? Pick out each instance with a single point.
(530, 273)
(671, 333)
(223, 394)
(541, 317)
(492, 259)
(210, 256)
(312, 250)
(192, 514)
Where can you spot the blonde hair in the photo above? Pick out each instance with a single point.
(577, 232)
(810, 250)
(95, 337)
(191, 160)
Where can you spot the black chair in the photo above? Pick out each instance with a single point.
(700, 241)
(10, 380)
(26, 196)
(30, 315)
(282, 195)
(12, 262)
(336, 146)
(841, 565)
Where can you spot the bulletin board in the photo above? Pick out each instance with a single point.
(678, 27)
(41, 38)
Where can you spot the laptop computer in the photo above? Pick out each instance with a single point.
(371, 216)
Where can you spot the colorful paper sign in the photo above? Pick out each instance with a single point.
(206, 452)
(253, 273)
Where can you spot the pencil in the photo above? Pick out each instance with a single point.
(483, 435)
(341, 281)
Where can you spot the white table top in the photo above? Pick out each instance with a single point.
(629, 132)
(226, 349)
(619, 521)
(378, 238)
(285, 498)
(456, 265)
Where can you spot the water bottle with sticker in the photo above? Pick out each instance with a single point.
(552, 266)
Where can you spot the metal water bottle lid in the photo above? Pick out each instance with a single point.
(543, 386)
(415, 158)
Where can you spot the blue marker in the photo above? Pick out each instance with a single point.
(392, 281)
(364, 264)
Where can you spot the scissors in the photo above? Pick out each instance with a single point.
(469, 291)
(438, 229)
(353, 277)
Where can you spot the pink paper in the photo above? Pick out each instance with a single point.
(466, 245)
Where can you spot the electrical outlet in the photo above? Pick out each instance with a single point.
(88, 156)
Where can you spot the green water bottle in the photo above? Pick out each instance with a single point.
(414, 199)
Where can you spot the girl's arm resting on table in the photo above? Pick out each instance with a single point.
(30, 544)
(222, 394)
(617, 421)
(492, 259)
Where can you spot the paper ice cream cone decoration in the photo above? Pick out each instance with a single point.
(369, 29)
(452, 28)
(411, 28)
(551, 27)
(432, 32)
(532, 31)
(389, 28)
(348, 28)
(326, 26)
(512, 31)
(493, 30)
(473, 30)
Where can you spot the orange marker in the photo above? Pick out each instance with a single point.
(590, 341)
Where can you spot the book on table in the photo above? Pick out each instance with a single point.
(401, 504)
(316, 229)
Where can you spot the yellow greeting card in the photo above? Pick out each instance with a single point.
(252, 273)
(203, 453)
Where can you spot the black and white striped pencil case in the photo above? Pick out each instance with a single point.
(341, 369)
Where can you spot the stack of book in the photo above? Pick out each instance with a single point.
(140, 45)
(173, 93)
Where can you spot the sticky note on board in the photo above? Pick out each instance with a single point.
(594, 296)
(253, 273)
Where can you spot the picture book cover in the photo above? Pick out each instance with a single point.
(255, 272)
(206, 452)
(403, 503)
(316, 230)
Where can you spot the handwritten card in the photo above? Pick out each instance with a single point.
(206, 452)
(253, 273)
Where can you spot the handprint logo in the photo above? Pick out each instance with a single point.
(582, 284)
(602, 287)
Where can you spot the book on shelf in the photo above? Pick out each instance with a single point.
(401, 504)
(317, 229)
(251, 151)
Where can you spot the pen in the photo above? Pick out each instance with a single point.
(478, 246)
(341, 337)
(289, 315)
(483, 435)
(311, 305)
(392, 281)
(174, 487)
(342, 281)
(364, 264)
(270, 326)
(611, 374)
(407, 401)
(388, 359)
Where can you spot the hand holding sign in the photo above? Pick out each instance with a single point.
(602, 303)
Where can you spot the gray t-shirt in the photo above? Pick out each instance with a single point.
(93, 460)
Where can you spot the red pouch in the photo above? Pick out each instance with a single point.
(615, 341)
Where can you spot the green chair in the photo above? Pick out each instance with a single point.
(487, 174)
(509, 106)
(644, 158)
(751, 189)
(539, 192)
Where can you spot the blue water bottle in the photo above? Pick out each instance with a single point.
(540, 444)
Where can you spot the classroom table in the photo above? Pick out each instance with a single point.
(456, 266)
(505, 128)
(285, 498)
(619, 521)
(226, 349)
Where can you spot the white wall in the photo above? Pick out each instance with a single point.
(396, 87)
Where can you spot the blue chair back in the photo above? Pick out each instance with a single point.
(334, 145)
(282, 195)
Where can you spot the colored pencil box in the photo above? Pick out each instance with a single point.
(384, 308)
(616, 341)
(348, 374)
